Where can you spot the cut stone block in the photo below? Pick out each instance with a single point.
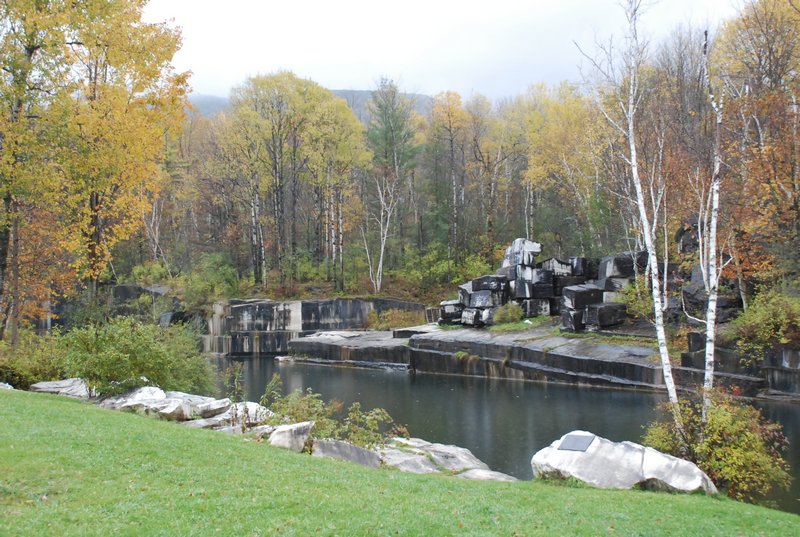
(616, 266)
(542, 276)
(490, 282)
(542, 290)
(579, 266)
(450, 309)
(559, 268)
(523, 289)
(605, 315)
(509, 272)
(471, 317)
(560, 282)
(572, 320)
(522, 252)
(535, 307)
(580, 296)
(464, 292)
(485, 299)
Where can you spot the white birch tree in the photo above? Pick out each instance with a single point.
(622, 93)
(391, 139)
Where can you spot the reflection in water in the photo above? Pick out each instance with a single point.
(502, 422)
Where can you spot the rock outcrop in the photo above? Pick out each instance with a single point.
(345, 451)
(422, 457)
(173, 406)
(623, 465)
(73, 387)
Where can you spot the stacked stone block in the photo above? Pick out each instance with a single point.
(548, 287)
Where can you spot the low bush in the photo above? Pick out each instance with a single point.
(366, 429)
(772, 320)
(33, 359)
(638, 298)
(739, 450)
(394, 318)
(125, 354)
(510, 312)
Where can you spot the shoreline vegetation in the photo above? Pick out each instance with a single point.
(68, 468)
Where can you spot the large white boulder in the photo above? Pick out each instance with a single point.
(623, 465)
(6, 386)
(73, 387)
(293, 436)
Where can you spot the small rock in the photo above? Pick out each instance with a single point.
(4, 386)
(292, 436)
(73, 387)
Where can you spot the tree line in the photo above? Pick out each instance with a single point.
(102, 170)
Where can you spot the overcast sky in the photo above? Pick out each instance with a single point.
(494, 47)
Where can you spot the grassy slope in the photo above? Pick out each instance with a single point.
(68, 468)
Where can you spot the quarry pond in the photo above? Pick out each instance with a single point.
(502, 422)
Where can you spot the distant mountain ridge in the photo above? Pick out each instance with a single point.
(357, 100)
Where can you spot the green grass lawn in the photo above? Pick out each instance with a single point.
(69, 468)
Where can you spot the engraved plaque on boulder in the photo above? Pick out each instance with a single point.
(576, 442)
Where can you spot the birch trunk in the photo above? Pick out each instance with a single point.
(709, 246)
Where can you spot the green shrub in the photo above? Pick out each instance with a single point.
(738, 449)
(772, 320)
(126, 354)
(510, 312)
(394, 318)
(33, 359)
(366, 429)
(638, 298)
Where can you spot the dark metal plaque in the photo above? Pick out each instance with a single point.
(576, 442)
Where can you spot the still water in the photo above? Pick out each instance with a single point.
(502, 422)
